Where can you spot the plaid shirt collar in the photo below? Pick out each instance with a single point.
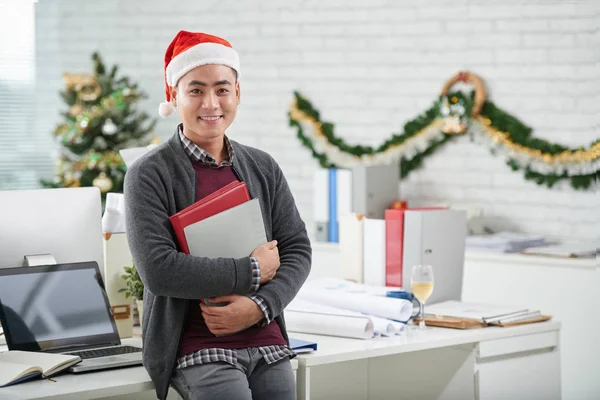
(198, 154)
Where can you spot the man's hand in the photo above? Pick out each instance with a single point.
(268, 260)
(241, 313)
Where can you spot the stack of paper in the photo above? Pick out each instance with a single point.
(113, 219)
(563, 250)
(485, 313)
(503, 242)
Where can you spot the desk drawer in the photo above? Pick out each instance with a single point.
(517, 344)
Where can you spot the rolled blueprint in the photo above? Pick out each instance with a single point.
(355, 297)
(330, 325)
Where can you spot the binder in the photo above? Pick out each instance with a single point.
(332, 198)
(333, 227)
(321, 204)
(227, 197)
(394, 234)
(351, 247)
(374, 252)
(233, 233)
(374, 189)
(436, 238)
(343, 193)
(394, 244)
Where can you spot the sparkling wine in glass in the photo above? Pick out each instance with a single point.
(422, 286)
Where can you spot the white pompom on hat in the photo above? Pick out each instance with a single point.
(189, 50)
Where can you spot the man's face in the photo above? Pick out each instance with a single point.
(206, 99)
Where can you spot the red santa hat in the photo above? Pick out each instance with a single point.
(189, 50)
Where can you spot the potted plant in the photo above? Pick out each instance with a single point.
(135, 288)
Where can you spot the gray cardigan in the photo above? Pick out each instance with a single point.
(163, 182)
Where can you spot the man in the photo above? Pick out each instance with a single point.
(238, 351)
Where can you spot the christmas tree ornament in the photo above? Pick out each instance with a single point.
(75, 110)
(85, 86)
(71, 182)
(73, 81)
(89, 90)
(103, 182)
(109, 128)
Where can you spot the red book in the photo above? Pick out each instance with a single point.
(394, 243)
(229, 196)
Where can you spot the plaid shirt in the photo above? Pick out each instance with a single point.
(271, 354)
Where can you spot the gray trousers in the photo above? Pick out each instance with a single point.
(252, 379)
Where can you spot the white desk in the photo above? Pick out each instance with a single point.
(124, 383)
(492, 363)
(83, 386)
(567, 289)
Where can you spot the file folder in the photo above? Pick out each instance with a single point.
(302, 346)
(233, 233)
(227, 197)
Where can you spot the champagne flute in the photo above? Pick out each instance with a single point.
(422, 286)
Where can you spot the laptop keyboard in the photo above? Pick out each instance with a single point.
(108, 351)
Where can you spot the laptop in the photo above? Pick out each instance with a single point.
(63, 308)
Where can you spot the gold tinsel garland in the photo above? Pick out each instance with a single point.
(317, 128)
(567, 156)
(449, 125)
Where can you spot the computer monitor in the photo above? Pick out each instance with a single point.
(65, 223)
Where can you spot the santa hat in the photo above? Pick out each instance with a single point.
(189, 50)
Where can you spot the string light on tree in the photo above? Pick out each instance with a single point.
(109, 128)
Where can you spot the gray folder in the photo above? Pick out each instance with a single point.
(231, 233)
(374, 189)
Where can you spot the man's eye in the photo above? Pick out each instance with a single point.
(195, 91)
(223, 90)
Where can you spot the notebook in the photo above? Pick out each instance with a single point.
(563, 250)
(302, 346)
(20, 366)
(474, 311)
(231, 195)
(63, 309)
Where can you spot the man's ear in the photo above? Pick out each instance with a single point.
(173, 94)
(237, 91)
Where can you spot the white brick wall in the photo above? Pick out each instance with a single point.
(368, 66)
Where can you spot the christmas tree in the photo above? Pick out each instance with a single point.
(101, 120)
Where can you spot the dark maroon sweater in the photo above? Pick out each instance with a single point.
(196, 335)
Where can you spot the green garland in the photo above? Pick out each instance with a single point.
(516, 131)
(521, 134)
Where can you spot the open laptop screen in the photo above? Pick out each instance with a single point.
(55, 308)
